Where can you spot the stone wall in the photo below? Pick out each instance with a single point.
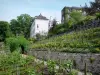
(92, 60)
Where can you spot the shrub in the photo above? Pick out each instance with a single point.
(14, 63)
(51, 66)
(73, 72)
(89, 18)
(14, 43)
(98, 15)
(4, 30)
(68, 64)
(92, 59)
(32, 40)
(23, 43)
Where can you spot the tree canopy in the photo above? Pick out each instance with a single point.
(52, 29)
(76, 16)
(21, 25)
(4, 30)
(94, 7)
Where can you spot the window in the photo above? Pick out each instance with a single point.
(37, 26)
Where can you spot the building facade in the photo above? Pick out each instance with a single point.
(40, 25)
(65, 13)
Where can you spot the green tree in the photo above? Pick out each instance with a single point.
(98, 15)
(15, 43)
(15, 27)
(94, 7)
(70, 23)
(76, 16)
(21, 25)
(54, 23)
(52, 29)
(4, 30)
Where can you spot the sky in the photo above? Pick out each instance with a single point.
(10, 9)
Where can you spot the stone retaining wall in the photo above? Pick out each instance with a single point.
(92, 60)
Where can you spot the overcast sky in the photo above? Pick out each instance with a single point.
(10, 9)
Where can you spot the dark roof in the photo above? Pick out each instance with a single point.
(41, 17)
(76, 8)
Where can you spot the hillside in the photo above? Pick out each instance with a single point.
(80, 41)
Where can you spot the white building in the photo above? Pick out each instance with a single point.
(40, 25)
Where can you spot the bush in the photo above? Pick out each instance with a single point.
(14, 63)
(98, 15)
(32, 40)
(89, 18)
(4, 30)
(51, 66)
(23, 43)
(14, 43)
(73, 72)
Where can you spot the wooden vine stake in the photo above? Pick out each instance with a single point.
(85, 70)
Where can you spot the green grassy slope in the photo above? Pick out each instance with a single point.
(81, 41)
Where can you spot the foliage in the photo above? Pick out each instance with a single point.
(89, 18)
(51, 66)
(4, 30)
(23, 42)
(32, 40)
(98, 15)
(53, 27)
(59, 28)
(91, 59)
(94, 7)
(38, 36)
(14, 63)
(73, 72)
(82, 41)
(21, 25)
(14, 43)
(68, 64)
(54, 23)
(14, 26)
(76, 16)
(70, 23)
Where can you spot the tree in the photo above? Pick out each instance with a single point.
(15, 43)
(38, 36)
(94, 7)
(21, 25)
(4, 30)
(76, 16)
(52, 29)
(54, 23)
(15, 27)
